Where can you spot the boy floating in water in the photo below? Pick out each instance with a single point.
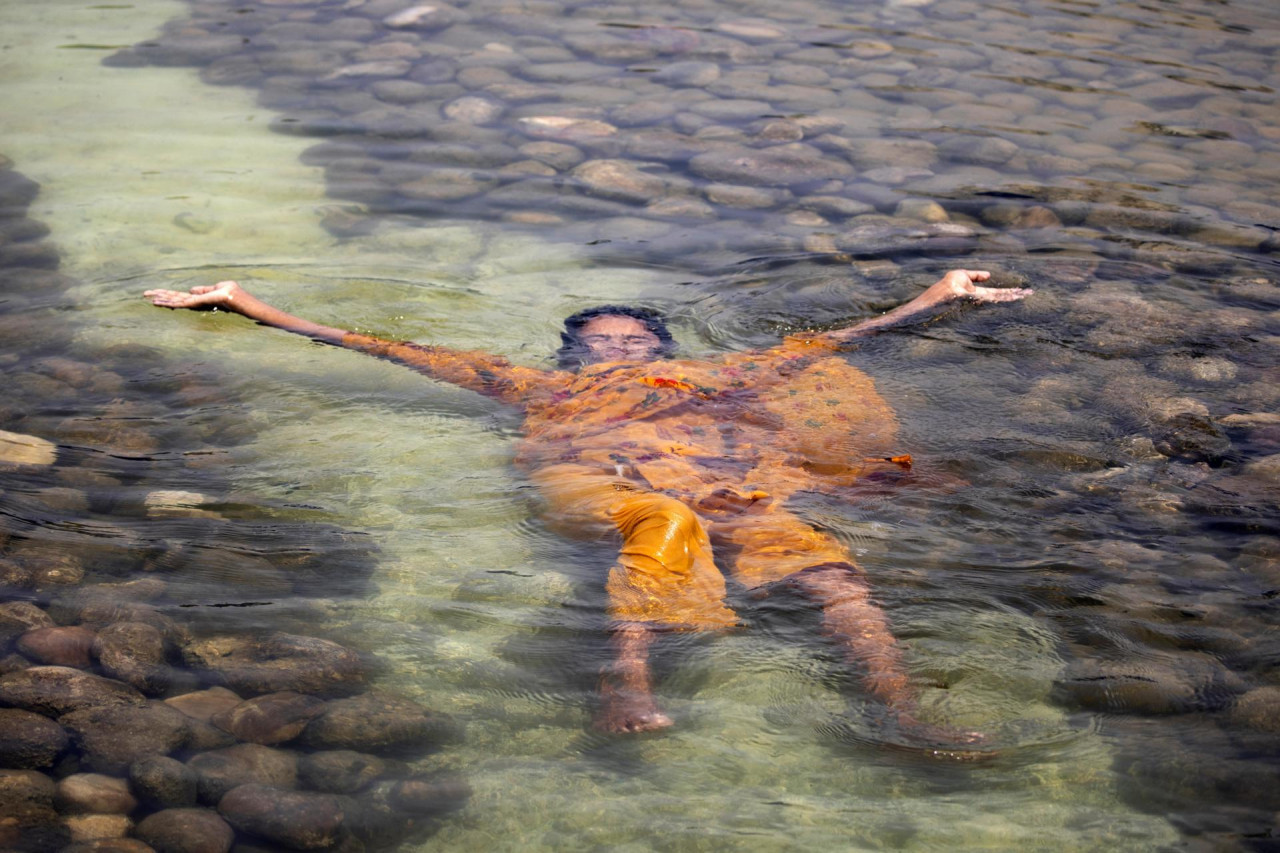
(676, 455)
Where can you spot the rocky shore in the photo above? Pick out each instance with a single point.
(784, 133)
(131, 717)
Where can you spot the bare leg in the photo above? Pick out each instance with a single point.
(860, 629)
(626, 688)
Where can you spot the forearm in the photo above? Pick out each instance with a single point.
(954, 286)
(246, 304)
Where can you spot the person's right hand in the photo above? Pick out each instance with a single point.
(203, 298)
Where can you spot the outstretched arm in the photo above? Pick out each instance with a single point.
(487, 374)
(955, 285)
(229, 296)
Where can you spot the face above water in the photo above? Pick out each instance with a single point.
(612, 337)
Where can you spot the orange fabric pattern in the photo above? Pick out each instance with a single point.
(674, 455)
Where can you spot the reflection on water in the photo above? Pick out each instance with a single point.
(1097, 596)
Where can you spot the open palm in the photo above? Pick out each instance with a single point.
(202, 298)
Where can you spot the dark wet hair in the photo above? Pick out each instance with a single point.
(573, 353)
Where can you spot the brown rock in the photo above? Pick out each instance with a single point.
(163, 782)
(340, 771)
(430, 795)
(29, 741)
(378, 723)
(202, 705)
(281, 662)
(18, 617)
(134, 652)
(109, 845)
(186, 831)
(94, 793)
(220, 770)
(270, 719)
(57, 690)
(60, 645)
(300, 820)
(28, 821)
(90, 827)
(620, 180)
(1259, 709)
(114, 736)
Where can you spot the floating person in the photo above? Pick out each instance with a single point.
(685, 462)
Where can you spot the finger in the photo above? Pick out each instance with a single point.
(201, 289)
(1001, 294)
(977, 275)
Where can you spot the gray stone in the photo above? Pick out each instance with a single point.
(56, 690)
(557, 155)
(186, 831)
(114, 736)
(303, 821)
(780, 165)
(619, 180)
(447, 185)
(891, 152)
(473, 110)
(1258, 710)
(29, 741)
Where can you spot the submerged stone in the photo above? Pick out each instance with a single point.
(134, 653)
(270, 719)
(780, 165)
(281, 662)
(340, 771)
(29, 741)
(164, 782)
(304, 821)
(186, 830)
(59, 645)
(90, 827)
(94, 793)
(378, 723)
(28, 821)
(57, 690)
(18, 449)
(114, 737)
(220, 770)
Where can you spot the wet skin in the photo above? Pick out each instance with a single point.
(664, 524)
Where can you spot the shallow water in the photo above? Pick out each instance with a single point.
(1098, 597)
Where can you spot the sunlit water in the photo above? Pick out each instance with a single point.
(1115, 530)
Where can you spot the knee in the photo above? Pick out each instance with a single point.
(831, 582)
(665, 517)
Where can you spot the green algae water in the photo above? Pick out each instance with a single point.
(1098, 593)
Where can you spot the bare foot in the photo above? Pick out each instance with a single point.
(942, 741)
(624, 710)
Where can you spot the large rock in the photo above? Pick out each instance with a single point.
(340, 771)
(58, 645)
(28, 821)
(133, 652)
(18, 450)
(94, 793)
(186, 831)
(29, 741)
(18, 617)
(300, 820)
(94, 827)
(200, 707)
(109, 845)
(281, 662)
(220, 770)
(1259, 709)
(429, 795)
(378, 723)
(270, 719)
(620, 180)
(114, 736)
(776, 166)
(163, 782)
(57, 690)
